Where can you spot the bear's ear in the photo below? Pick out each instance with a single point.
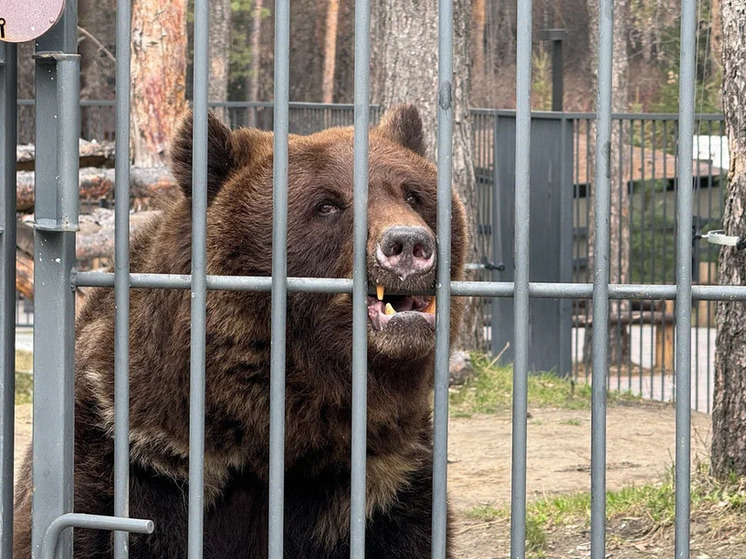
(403, 125)
(219, 157)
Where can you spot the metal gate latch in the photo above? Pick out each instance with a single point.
(720, 238)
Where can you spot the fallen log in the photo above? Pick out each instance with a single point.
(94, 244)
(24, 274)
(92, 154)
(95, 183)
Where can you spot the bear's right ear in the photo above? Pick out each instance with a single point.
(403, 125)
(219, 156)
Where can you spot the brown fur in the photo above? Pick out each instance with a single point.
(318, 393)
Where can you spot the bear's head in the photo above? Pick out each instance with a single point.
(401, 248)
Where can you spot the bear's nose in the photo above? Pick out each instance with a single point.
(406, 251)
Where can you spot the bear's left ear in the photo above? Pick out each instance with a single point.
(403, 125)
(219, 157)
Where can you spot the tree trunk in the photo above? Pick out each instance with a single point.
(729, 411)
(405, 70)
(158, 76)
(619, 248)
(330, 51)
(716, 36)
(253, 74)
(478, 20)
(97, 69)
(220, 45)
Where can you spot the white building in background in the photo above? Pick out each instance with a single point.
(712, 148)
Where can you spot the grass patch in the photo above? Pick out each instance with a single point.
(486, 513)
(491, 390)
(575, 422)
(720, 506)
(24, 387)
(24, 378)
(24, 361)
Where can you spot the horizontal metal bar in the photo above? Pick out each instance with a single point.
(592, 116)
(83, 102)
(538, 290)
(715, 117)
(93, 522)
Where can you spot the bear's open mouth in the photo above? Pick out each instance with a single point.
(384, 308)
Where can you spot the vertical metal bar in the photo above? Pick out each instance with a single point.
(199, 283)
(497, 246)
(121, 277)
(588, 193)
(684, 277)
(664, 243)
(601, 281)
(576, 244)
(617, 306)
(709, 267)
(630, 141)
(8, 137)
(279, 280)
(56, 195)
(641, 267)
(360, 281)
(520, 295)
(443, 283)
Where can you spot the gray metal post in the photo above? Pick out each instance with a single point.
(684, 276)
(121, 279)
(7, 288)
(279, 280)
(601, 281)
(521, 295)
(56, 196)
(443, 283)
(199, 283)
(360, 282)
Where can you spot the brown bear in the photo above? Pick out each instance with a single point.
(401, 258)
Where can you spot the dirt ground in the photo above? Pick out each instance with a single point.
(640, 449)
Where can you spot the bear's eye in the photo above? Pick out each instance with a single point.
(327, 208)
(411, 198)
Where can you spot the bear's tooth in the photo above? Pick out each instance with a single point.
(430, 308)
(389, 309)
(379, 292)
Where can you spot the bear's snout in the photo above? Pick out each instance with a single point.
(406, 251)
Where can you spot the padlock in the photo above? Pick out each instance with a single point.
(26, 20)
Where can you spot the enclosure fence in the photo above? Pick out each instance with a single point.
(57, 119)
(645, 181)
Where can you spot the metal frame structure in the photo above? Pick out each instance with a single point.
(57, 118)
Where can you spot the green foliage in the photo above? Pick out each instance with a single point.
(708, 75)
(491, 390)
(723, 502)
(24, 387)
(242, 16)
(541, 85)
(652, 234)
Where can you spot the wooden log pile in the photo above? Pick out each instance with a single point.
(94, 243)
(146, 185)
(94, 246)
(92, 154)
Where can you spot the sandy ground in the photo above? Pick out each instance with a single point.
(640, 449)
